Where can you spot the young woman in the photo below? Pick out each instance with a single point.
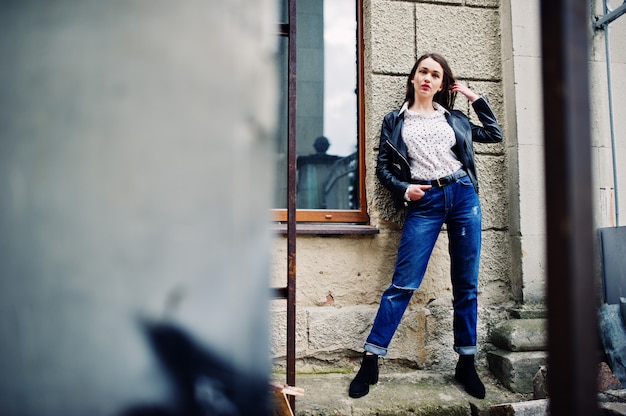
(426, 161)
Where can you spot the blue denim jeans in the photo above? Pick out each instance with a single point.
(456, 205)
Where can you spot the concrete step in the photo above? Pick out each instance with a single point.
(516, 370)
(411, 392)
(530, 311)
(610, 403)
(424, 393)
(530, 408)
(521, 335)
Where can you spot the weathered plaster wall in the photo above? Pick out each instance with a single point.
(524, 144)
(340, 279)
(524, 131)
(604, 189)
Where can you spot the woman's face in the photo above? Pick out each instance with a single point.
(428, 79)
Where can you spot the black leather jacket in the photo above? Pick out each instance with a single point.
(393, 167)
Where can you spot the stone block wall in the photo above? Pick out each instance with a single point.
(340, 278)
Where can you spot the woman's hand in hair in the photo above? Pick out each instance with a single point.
(464, 89)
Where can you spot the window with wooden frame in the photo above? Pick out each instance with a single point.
(327, 102)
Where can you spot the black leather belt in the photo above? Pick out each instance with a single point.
(442, 181)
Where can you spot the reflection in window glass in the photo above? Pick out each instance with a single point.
(326, 123)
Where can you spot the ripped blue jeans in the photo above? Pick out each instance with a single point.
(457, 206)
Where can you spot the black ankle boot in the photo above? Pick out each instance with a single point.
(368, 374)
(466, 374)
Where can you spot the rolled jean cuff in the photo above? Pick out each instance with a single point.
(375, 349)
(471, 350)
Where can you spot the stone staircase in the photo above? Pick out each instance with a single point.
(521, 348)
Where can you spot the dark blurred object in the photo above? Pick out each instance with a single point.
(613, 337)
(613, 251)
(204, 383)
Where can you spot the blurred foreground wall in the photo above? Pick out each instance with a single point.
(134, 187)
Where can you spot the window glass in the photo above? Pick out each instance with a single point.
(326, 108)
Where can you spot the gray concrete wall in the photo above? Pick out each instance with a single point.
(524, 115)
(525, 149)
(129, 137)
(604, 189)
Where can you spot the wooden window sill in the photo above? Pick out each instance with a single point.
(327, 229)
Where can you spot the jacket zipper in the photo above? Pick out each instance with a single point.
(399, 154)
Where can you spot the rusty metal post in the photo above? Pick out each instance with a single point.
(571, 294)
(291, 206)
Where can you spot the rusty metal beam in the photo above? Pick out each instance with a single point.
(291, 205)
(571, 294)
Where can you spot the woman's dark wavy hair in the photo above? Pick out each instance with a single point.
(443, 97)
